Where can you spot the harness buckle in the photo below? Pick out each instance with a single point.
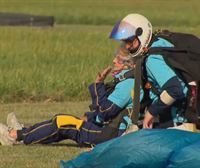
(121, 78)
(148, 85)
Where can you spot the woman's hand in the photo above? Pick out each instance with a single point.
(102, 76)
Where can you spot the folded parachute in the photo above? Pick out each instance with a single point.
(155, 148)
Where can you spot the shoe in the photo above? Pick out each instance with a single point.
(13, 122)
(5, 140)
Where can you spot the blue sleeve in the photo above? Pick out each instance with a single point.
(109, 114)
(100, 99)
(174, 89)
(98, 93)
(104, 108)
(120, 97)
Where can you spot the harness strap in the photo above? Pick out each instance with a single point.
(127, 75)
(198, 100)
(111, 130)
(136, 97)
(114, 123)
(110, 86)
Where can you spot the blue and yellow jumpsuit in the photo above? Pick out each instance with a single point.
(63, 126)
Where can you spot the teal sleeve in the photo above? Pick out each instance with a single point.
(159, 70)
(121, 96)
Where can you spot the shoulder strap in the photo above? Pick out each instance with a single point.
(114, 123)
(126, 75)
(110, 86)
(160, 50)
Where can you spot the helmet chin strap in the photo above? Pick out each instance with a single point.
(139, 52)
(135, 50)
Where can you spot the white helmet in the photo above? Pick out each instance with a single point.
(133, 25)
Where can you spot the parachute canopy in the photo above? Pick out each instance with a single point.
(146, 148)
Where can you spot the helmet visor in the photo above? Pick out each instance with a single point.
(122, 30)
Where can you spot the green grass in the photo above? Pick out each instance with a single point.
(55, 63)
(52, 63)
(58, 63)
(104, 12)
(40, 156)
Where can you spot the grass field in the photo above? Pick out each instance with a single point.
(57, 66)
(40, 156)
(106, 12)
(58, 63)
(52, 67)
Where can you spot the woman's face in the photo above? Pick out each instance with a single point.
(120, 60)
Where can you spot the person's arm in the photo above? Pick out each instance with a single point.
(171, 92)
(169, 85)
(119, 99)
(98, 93)
(108, 106)
(97, 89)
(100, 102)
(105, 108)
